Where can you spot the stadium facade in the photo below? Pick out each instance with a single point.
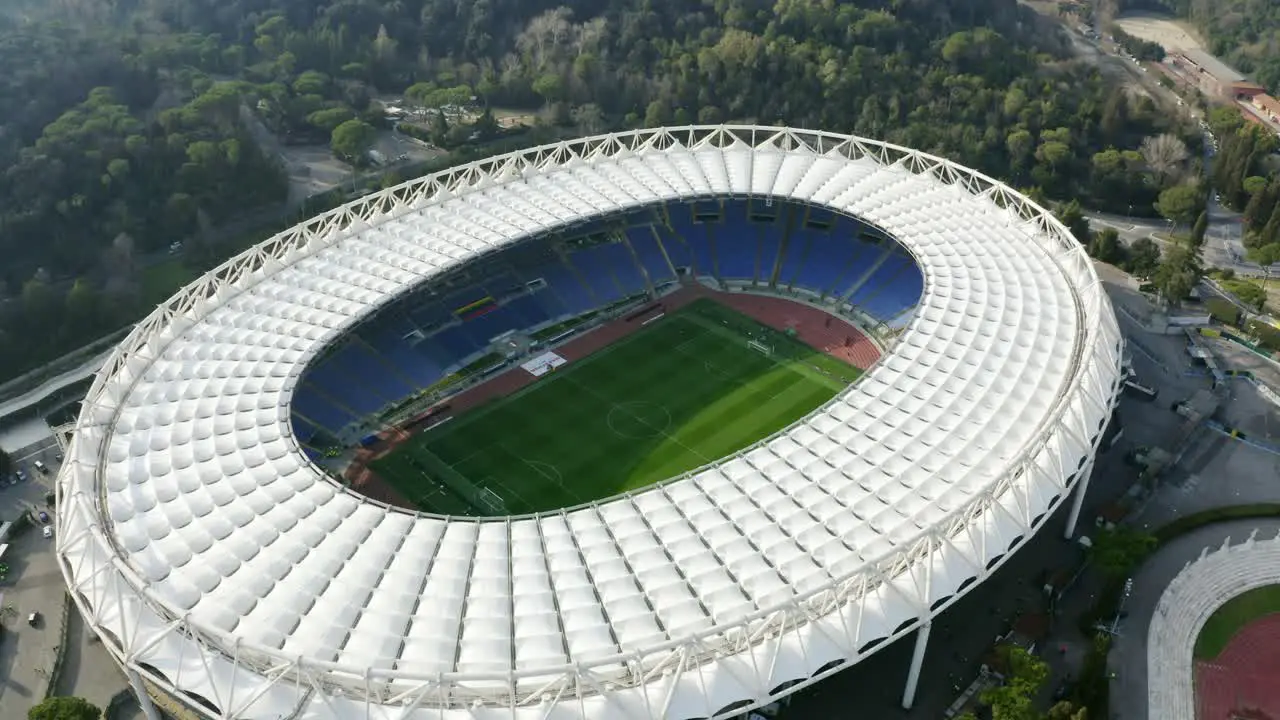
(222, 567)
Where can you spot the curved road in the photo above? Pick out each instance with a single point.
(1128, 659)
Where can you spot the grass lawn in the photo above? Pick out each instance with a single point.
(1232, 617)
(161, 280)
(680, 393)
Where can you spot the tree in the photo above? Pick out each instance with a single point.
(64, 708)
(1199, 229)
(1024, 675)
(331, 118)
(1106, 247)
(1072, 215)
(1180, 203)
(6, 464)
(1117, 551)
(83, 305)
(589, 118)
(1165, 155)
(1253, 184)
(352, 139)
(1144, 257)
(1265, 255)
(1067, 711)
(1178, 273)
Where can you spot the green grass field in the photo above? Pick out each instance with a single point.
(1232, 617)
(682, 392)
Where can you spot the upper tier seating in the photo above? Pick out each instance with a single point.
(414, 343)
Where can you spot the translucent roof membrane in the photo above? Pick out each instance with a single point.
(205, 545)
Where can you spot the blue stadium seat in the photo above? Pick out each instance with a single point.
(429, 313)
(311, 405)
(736, 246)
(695, 237)
(502, 283)
(373, 372)
(616, 259)
(485, 328)
(343, 387)
(451, 345)
(594, 267)
(303, 431)
(831, 259)
(529, 310)
(794, 256)
(767, 252)
(677, 249)
(895, 287)
(646, 247)
(566, 288)
(389, 342)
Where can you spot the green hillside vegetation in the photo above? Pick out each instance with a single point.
(124, 126)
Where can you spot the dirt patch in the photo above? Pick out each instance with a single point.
(1172, 34)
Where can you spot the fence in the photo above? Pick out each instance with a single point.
(59, 650)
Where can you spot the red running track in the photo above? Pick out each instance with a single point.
(1243, 683)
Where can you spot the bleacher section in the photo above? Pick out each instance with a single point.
(419, 340)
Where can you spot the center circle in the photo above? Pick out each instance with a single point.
(639, 420)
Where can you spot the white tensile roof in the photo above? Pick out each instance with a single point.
(212, 554)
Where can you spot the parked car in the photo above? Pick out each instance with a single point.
(40, 467)
(48, 531)
(44, 517)
(21, 475)
(33, 619)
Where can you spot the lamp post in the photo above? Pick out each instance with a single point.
(1113, 631)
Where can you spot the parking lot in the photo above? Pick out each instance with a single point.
(34, 583)
(27, 652)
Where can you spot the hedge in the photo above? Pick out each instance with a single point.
(1187, 523)
(1223, 311)
(1268, 336)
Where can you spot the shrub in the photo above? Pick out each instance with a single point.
(1268, 336)
(1223, 311)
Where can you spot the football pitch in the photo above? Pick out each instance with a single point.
(684, 391)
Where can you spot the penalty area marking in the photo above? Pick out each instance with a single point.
(638, 420)
(552, 473)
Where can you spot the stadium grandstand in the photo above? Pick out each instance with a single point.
(667, 423)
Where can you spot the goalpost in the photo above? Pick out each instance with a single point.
(760, 347)
(492, 500)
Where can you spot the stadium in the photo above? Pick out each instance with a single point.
(666, 423)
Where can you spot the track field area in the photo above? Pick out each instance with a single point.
(688, 389)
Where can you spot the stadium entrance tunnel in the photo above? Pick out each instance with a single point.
(643, 343)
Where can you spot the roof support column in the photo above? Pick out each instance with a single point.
(917, 659)
(1077, 502)
(140, 691)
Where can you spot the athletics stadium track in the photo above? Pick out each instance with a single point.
(832, 334)
(1242, 682)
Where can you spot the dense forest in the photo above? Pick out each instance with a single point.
(126, 130)
(1244, 33)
